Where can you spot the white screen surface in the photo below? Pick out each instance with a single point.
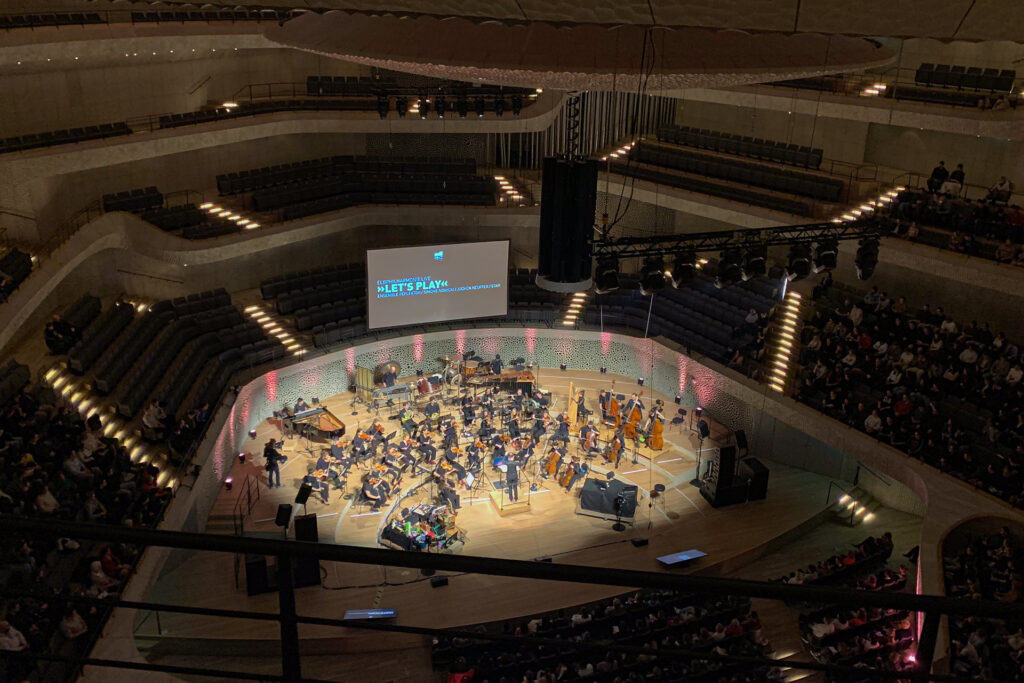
(430, 284)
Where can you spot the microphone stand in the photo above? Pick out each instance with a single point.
(696, 477)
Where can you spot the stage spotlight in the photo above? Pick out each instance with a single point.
(640, 381)
(606, 279)
(401, 106)
(867, 257)
(799, 265)
(729, 270)
(562, 367)
(754, 262)
(499, 106)
(699, 411)
(241, 457)
(442, 107)
(383, 105)
(252, 433)
(227, 484)
(825, 255)
(424, 107)
(684, 268)
(462, 106)
(480, 106)
(517, 104)
(679, 399)
(604, 370)
(652, 276)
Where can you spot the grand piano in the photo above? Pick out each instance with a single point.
(509, 381)
(320, 420)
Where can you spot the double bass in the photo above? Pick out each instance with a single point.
(613, 411)
(654, 428)
(633, 419)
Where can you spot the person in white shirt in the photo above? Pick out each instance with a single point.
(948, 326)
(823, 629)
(72, 624)
(907, 357)
(856, 315)
(872, 423)
(11, 638)
(969, 356)
(1014, 375)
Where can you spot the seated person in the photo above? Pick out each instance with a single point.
(300, 406)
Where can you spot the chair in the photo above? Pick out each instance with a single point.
(941, 75)
(955, 77)
(679, 419)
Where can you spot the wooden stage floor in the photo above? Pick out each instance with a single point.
(678, 520)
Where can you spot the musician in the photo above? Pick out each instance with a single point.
(301, 406)
(338, 449)
(451, 436)
(618, 446)
(581, 407)
(497, 365)
(362, 443)
(374, 490)
(602, 400)
(540, 426)
(517, 399)
(634, 401)
(588, 437)
(319, 485)
(512, 480)
(562, 429)
(428, 449)
(432, 411)
(541, 399)
(556, 456)
(577, 473)
(487, 404)
(389, 376)
(406, 417)
(273, 463)
(446, 490)
(393, 463)
(468, 411)
(514, 431)
(474, 454)
(324, 464)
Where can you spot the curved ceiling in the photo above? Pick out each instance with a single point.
(574, 57)
(942, 19)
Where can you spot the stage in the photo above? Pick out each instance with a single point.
(676, 520)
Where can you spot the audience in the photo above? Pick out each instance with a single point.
(55, 464)
(649, 619)
(950, 396)
(986, 568)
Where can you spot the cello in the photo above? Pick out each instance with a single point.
(551, 464)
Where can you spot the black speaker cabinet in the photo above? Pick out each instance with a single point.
(723, 496)
(257, 580)
(741, 442)
(284, 515)
(303, 495)
(305, 528)
(726, 466)
(567, 208)
(754, 471)
(306, 571)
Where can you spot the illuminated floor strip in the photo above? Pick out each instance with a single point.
(574, 308)
(272, 326)
(509, 190)
(785, 342)
(77, 393)
(217, 211)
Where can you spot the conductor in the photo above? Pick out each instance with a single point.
(512, 480)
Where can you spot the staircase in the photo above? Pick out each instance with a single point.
(855, 507)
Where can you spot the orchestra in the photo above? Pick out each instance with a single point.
(481, 433)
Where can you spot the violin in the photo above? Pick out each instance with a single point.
(479, 444)
(505, 437)
(365, 436)
(456, 450)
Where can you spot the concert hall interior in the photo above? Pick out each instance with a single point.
(511, 341)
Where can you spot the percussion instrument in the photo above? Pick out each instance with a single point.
(378, 374)
(423, 385)
(469, 367)
(399, 392)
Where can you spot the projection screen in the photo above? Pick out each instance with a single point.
(429, 284)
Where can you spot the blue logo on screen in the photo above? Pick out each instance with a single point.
(439, 256)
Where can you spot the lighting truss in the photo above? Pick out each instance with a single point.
(666, 245)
